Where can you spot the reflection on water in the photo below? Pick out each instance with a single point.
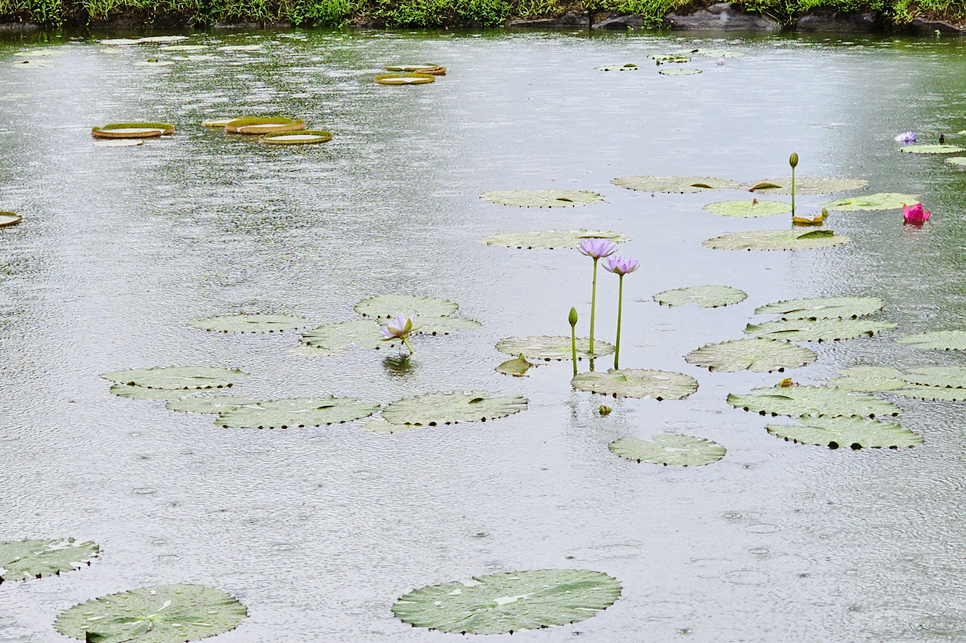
(319, 530)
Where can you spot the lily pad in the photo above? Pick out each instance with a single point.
(625, 67)
(932, 393)
(176, 377)
(220, 122)
(703, 296)
(9, 218)
(748, 209)
(511, 602)
(834, 432)
(380, 427)
(637, 383)
(434, 409)
(688, 71)
(551, 239)
(251, 125)
(941, 376)
(556, 348)
(445, 325)
(670, 58)
(388, 306)
(217, 404)
(869, 378)
(797, 401)
(823, 308)
(251, 323)
(159, 614)
(669, 449)
(25, 559)
(313, 351)
(141, 393)
(675, 184)
(717, 53)
(305, 137)
(542, 198)
(420, 67)
(942, 340)
(362, 333)
(517, 367)
(758, 355)
(957, 160)
(242, 48)
(133, 130)
(777, 240)
(932, 149)
(296, 412)
(807, 330)
(804, 185)
(880, 201)
(405, 79)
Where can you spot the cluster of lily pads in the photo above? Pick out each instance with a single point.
(270, 130)
(675, 59)
(416, 74)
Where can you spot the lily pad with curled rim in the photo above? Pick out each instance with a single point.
(686, 71)
(551, 239)
(931, 393)
(361, 333)
(675, 184)
(133, 130)
(807, 330)
(552, 348)
(413, 67)
(814, 401)
(941, 376)
(748, 209)
(445, 325)
(804, 185)
(434, 409)
(703, 296)
(542, 198)
(758, 355)
(941, 340)
(242, 48)
(509, 602)
(880, 201)
(158, 614)
(388, 306)
(25, 559)
(9, 218)
(176, 377)
(856, 433)
(141, 393)
(777, 240)
(252, 323)
(255, 125)
(823, 308)
(296, 412)
(624, 67)
(869, 378)
(932, 149)
(669, 449)
(217, 404)
(305, 137)
(637, 383)
(405, 79)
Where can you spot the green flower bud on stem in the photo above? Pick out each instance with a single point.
(793, 159)
(573, 335)
(573, 316)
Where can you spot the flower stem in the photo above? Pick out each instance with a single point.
(573, 346)
(793, 192)
(620, 303)
(593, 305)
(406, 342)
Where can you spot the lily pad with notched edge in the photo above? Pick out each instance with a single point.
(253, 125)
(880, 201)
(444, 325)
(957, 160)
(388, 306)
(551, 239)
(25, 559)
(670, 58)
(176, 377)
(942, 340)
(823, 308)
(675, 184)
(217, 405)
(434, 409)
(687, 71)
(868, 379)
(941, 376)
(797, 400)
(542, 198)
(834, 432)
(510, 602)
(777, 240)
(252, 323)
(159, 614)
(759, 355)
(362, 333)
(804, 185)
(932, 149)
(931, 393)
(297, 412)
(807, 330)
(9, 218)
(703, 296)
(637, 383)
(669, 449)
(625, 67)
(748, 209)
(557, 348)
(379, 426)
(141, 393)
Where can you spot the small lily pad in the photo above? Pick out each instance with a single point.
(133, 130)
(217, 404)
(797, 401)
(296, 412)
(413, 67)
(717, 53)
(176, 377)
(557, 348)
(806, 330)
(777, 240)
(26, 559)
(942, 340)
(931, 393)
(445, 325)
(304, 137)
(670, 58)
(941, 376)
(748, 209)
(834, 432)
(362, 333)
(159, 614)
(932, 149)
(405, 79)
(517, 367)
(758, 355)
(804, 185)
(434, 409)
(388, 306)
(687, 71)
(252, 125)
(957, 160)
(141, 393)
(9, 218)
(880, 201)
(542, 198)
(625, 67)
(252, 323)
(669, 449)
(510, 602)
(823, 308)
(869, 378)
(637, 383)
(675, 184)
(703, 296)
(551, 239)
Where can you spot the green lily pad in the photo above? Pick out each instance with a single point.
(304, 137)
(869, 378)
(556, 348)
(251, 323)
(957, 160)
(777, 240)
(932, 149)
(942, 340)
(703, 296)
(758, 355)
(434, 409)
(362, 333)
(551, 239)
(748, 209)
(379, 426)
(413, 67)
(141, 393)
(388, 306)
(511, 602)
(807, 330)
(637, 383)
(931, 393)
(445, 325)
(296, 412)
(255, 125)
(25, 559)
(217, 405)
(675, 184)
(176, 377)
(133, 130)
(624, 67)
(804, 185)
(670, 58)
(517, 367)
(667, 449)
(159, 614)
(717, 53)
(834, 432)
(688, 71)
(9, 218)
(823, 308)
(542, 198)
(880, 201)
(796, 401)
(405, 79)
(941, 376)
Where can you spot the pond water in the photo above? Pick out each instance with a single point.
(318, 531)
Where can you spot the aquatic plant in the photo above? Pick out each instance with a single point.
(254, 125)
(675, 184)
(777, 240)
(251, 323)
(405, 79)
(620, 267)
(9, 218)
(856, 433)
(296, 412)
(793, 161)
(517, 367)
(304, 137)
(905, 137)
(573, 336)
(133, 130)
(434, 409)
(703, 296)
(669, 449)
(758, 355)
(26, 559)
(595, 249)
(823, 308)
(399, 329)
(637, 383)
(868, 379)
(933, 149)
(795, 401)
(805, 185)
(176, 377)
(551, 239)
(747, 209)
(624, 67)
(915, 214)
(542, 198)
(551, 348)
(943, 340)
(387, 306)
(880, 201)
(807, 330)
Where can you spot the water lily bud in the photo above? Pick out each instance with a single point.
(793, 159)
(573, 316)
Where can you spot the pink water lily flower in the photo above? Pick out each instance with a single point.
(905, 137)
(399, 328)
(915, 214)
(621, 266)
(597, 248)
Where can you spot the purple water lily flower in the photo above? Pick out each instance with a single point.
(399, 328)
(595, 249)
(620, 266)
(905, 137)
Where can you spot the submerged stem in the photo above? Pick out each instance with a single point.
(620, 302)
(406, 342)
(593, 305)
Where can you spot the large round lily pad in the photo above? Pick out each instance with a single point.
(556, 348)
(362, 333)
(254, 125)
(796, 401)
(304, 137)
(9, 218)
(869, 378)
(434, 409)
(931, 393)
(807, 330)
(637, 383)
(823, 308)
(296, 412)
(932, 149)
(880, 201)
(388, 306)
(834, 432)
(758, 355)
(551, 239)
(804, 185)
(675, 184)
(25, 559)
(445, 325)
(133, 130)
(942, 340)
(703, 296)
(678, 450)
(159, 614)
(777, 240)
(748, 209)
(685, 71)
(542, 198)
(252, 323)
(511, 602)
(942, 376)
(176, 377)
(217, 404)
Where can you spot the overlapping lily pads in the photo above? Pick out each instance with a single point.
(361, 333)
(552, 348)
(388, 306)
(703, 296)
(542, 198)
(9, 218)
(669, 449)
(296, 412)
(551, 239)
(806, 330)
(26, 559)
(856, 433)
(748, 209)
(141, 393)
(675, 184)
(435, 409)
(869, 378)
(510, 602)
(931, 393)
(941, 340)
(251, 323)
(797, 401)
(637, 383)
(176, 377)
(255, 125)
(880, 201)
(758, 355)
(941, 376)
(777, 240)
(823, 308)
(804, 185)
(932, 149)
